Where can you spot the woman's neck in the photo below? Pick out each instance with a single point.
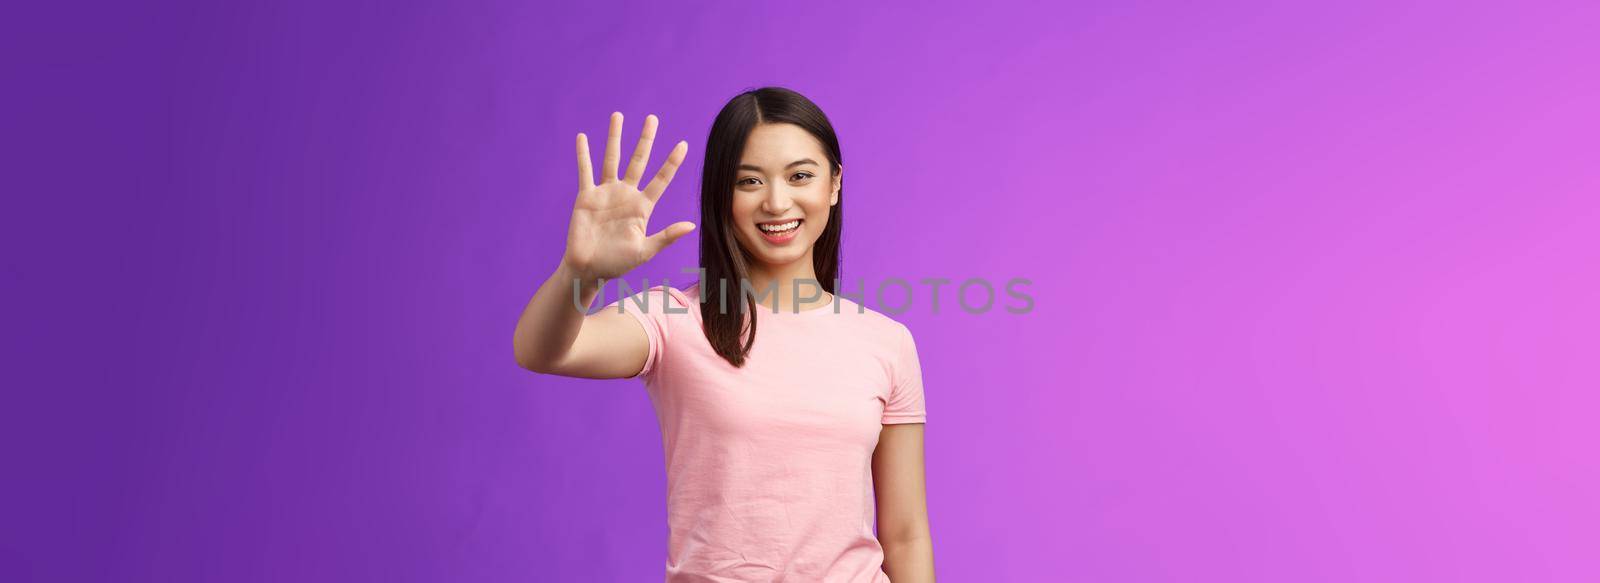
(777, 283)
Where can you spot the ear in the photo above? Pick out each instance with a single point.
(838, 179)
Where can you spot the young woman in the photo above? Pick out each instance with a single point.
(776, 443)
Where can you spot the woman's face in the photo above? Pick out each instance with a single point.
(782, 194)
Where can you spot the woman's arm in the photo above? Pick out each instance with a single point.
(605, 240)
(898, 479)
(553, 336)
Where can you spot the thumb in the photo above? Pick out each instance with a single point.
(666, 236)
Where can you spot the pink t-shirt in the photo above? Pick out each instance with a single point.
(769, 466)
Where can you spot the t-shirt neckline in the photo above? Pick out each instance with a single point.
(827, 307)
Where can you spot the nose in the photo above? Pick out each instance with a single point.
(778, 201)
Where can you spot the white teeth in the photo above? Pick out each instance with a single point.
(780, 227)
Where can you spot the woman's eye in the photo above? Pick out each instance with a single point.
(800, 176)
(747, 181)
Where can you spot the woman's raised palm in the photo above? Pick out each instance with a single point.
(606, 238)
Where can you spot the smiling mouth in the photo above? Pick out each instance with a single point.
(782, 228)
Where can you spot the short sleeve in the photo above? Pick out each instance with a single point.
(650, 308)
(905, 404)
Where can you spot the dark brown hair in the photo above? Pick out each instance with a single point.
(722, 260)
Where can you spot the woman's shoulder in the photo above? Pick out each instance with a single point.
(868, 320)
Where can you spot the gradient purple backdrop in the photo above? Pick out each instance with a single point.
(1316, 286)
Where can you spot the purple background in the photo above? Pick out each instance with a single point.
(1316, 286)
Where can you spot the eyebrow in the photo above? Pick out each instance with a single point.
(791, 164)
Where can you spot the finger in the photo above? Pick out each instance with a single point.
(666, 236)
(641, 152)
(668, 169)
(585, 164)
(608, 171)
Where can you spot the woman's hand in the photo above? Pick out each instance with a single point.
(606, 238)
